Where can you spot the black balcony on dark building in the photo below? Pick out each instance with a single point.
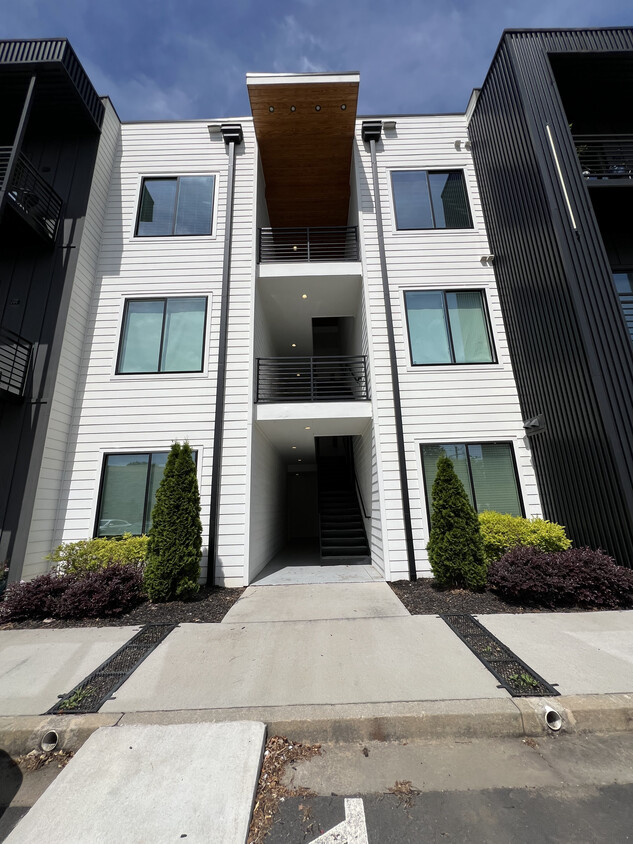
(315, 243)
(15, 354)
(605, 157)
(30, 196)
(304, 379)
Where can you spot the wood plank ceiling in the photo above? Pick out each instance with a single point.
(305, 131)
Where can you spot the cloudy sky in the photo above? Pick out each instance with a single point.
(166, 59)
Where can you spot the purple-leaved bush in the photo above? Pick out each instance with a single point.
(578, 577)
(109, 591)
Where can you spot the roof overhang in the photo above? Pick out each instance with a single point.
(304, 125)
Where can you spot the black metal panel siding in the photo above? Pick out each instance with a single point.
(53, 50)
(572, 358)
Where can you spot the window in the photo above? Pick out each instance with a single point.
(430, 200)
(487, 471)
(128, 490)
(179, 206)
(162, 335)
(448, 327)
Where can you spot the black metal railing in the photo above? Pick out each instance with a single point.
(322, 243)
(31, 195)
(312, 379)
(15, 354)
(626, 300)
(605, 156)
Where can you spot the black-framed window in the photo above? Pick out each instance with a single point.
(128, 489)
(182, 205)
(430, 199)
(487, 470)
(448, 326)
(162, 335)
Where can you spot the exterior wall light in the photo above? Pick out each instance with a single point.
(389, 125)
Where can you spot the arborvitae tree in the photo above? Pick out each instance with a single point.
(175, 538)
(455, 547)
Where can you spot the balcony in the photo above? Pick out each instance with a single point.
(605, 157)
(15, 354)
(30, 196)
(308, 244)
(311, 379)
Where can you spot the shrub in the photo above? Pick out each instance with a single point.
(109, 591)
(175, 538)
(93, 554)
(37, 598)
(455, 549)
(578, 577)
(500, 532)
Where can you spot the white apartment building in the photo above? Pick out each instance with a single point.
(308, 297)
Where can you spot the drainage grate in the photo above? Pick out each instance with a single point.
(513, 674)
(96, 688)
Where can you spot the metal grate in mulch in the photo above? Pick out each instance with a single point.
(96, 688)
(513, 674)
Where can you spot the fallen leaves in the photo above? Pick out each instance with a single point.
(271, 792)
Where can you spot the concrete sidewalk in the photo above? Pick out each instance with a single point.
(323, 652)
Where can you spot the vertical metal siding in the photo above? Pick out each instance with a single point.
(572, 357)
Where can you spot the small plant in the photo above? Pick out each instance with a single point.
(578, 577)
(93, 554)
(501, 532)
(523, 681)
(455, 548)
(175, 538)
(76, 699)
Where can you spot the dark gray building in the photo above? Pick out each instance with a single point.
(552, 140)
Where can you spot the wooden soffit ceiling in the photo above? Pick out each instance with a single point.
(305, 129)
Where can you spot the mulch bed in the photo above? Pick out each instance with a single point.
(423, 597)
(210, 604)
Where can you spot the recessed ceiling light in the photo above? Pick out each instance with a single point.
(293, 345)
(293, 108)
(343, 107)
(271, 108)
(317, 108)
(307, 427)
(298, 375)
(294, 446)
(298, 460)
(304, 295)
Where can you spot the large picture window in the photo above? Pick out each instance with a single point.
(426, 199)
(128, 490)
(448, 327)
(487, 471)
(162, 335)
(177, 206)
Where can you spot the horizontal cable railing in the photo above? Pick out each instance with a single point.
(605, 156)
(626, 300)
(312, 379)
(31, 194)
(15, 354)
(322, 243)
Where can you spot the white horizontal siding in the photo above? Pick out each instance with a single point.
(450, 404)
(147, 413)
(42, 537)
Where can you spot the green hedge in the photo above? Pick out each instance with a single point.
(94, 554)
(501, 533)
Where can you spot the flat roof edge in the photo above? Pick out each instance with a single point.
(300, 78)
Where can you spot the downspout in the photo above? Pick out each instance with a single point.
(233, 136)
(371, 132)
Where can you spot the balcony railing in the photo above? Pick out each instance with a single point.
(15, 354)
(322, 243)
(31, 196)
(312, 379)
(605, 156)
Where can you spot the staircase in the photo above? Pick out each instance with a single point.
(342, 530)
